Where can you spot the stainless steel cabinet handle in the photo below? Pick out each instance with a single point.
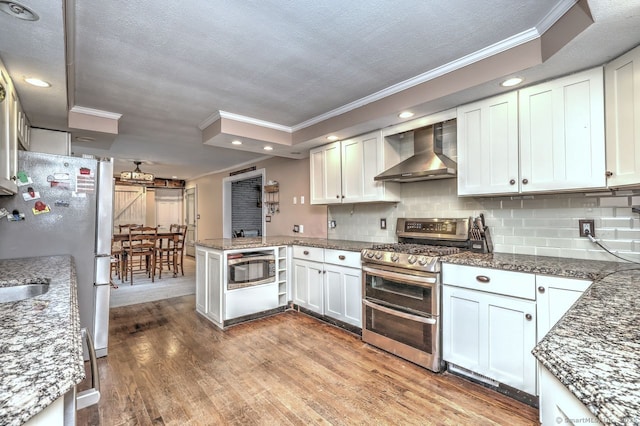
(342, 257)
(306, 252)
(529, 317)
(483, 279)
(525, 181)
(90, 396)
(512, 182)
(541, 289)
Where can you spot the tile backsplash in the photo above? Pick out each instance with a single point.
(544, 225)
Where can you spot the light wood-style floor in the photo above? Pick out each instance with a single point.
(169, 366)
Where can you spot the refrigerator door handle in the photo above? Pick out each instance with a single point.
(90, 396)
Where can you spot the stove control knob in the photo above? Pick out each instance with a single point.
(378, 255)
(369, 254)
(411, 259)
(364, 253)
(422, 261)
(395, 257)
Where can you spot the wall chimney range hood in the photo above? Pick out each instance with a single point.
(428, 162)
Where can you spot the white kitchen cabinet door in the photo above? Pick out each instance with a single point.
(555, 296)
(491, 335)
(622, 91)
(559, 406)
(308, 285)
(562, 144)
(343, 294)
(214, 287)
(326, 178)
(201, 281)
(488, 146)
(8, 147)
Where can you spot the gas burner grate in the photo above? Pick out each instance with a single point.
(417, 249)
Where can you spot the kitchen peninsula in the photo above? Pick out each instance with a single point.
(41, 358)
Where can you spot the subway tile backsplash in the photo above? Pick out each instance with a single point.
(543, 225)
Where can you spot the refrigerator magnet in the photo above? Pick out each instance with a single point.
(40, 208)
(23, 179)
(30, 195)
(3, 212)
(15, 216)
(61, 203)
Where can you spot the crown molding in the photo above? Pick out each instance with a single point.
(95, 112)
(242, 119)
(554, 15)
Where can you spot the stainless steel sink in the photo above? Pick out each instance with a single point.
(22, 292)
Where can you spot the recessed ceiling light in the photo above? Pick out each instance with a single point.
(406, 114)
(37, 82)
(18, 10)
(332, 138)
(514, 81)
(236, 142)
(268, 148)
(174, 177)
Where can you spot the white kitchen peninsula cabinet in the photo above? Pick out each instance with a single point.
(343, 286)
(209, 284)
(343, 172)
(488, 146)
(622, 91)
(562, 145)
(559, 406)
(489, 325)
(555, 296)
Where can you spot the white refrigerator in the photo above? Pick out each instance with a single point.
(65, 207)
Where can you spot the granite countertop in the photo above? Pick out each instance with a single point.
(244, 243)
(40, 341)
(594, 350)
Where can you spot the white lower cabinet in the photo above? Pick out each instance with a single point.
(559, 406)
(488, 324)
(328, 282)
(555, 296)
(209, 284)
(491, 335)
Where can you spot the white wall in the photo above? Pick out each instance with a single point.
(545, 225)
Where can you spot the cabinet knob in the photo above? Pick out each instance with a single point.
(525, 181)
(319, 271)
(529, 317)
(342, 257)
(337, 196)
(483, 279)
(343, 196)
(306, 252)
(608, 173)
(512, 182)
(541, 289)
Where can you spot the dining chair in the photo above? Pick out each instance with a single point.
(181, 230)
(165, 251)
(116, 262)
(141, 247)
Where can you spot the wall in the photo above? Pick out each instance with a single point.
(545, 225)
(293, 179)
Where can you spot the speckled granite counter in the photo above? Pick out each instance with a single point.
(243, 243)
(594, 350)
(40, 340)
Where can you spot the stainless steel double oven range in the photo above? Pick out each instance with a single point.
(402, 288)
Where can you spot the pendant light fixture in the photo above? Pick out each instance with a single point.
(137, 175)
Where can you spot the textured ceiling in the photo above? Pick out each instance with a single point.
(167, 66)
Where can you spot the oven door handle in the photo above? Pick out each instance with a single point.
(400, 314)
(420, 281)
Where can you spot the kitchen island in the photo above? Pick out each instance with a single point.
(594, 350)
(41, 345)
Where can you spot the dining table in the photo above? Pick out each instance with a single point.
(169, 236)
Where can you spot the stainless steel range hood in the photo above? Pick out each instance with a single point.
(428, 162)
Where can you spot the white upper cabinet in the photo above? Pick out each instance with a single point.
(562, 133)
(488, 146)
(343, 172)
(544, 138)
(8, 140)
(622, 88)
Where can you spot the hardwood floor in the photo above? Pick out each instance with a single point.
(168, 366)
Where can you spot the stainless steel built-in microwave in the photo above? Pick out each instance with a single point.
(249, 269)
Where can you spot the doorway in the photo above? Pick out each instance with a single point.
(190, 219)
(247, 214)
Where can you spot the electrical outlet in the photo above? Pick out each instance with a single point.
(587, 227)
(302, 229)
(296, 228)
(383, 223)
(332, 224)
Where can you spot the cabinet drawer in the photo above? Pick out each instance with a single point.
(516, 284)
(315, 254)
(350, 259)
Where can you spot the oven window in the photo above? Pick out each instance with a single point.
(412, 297)
(411, 333)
